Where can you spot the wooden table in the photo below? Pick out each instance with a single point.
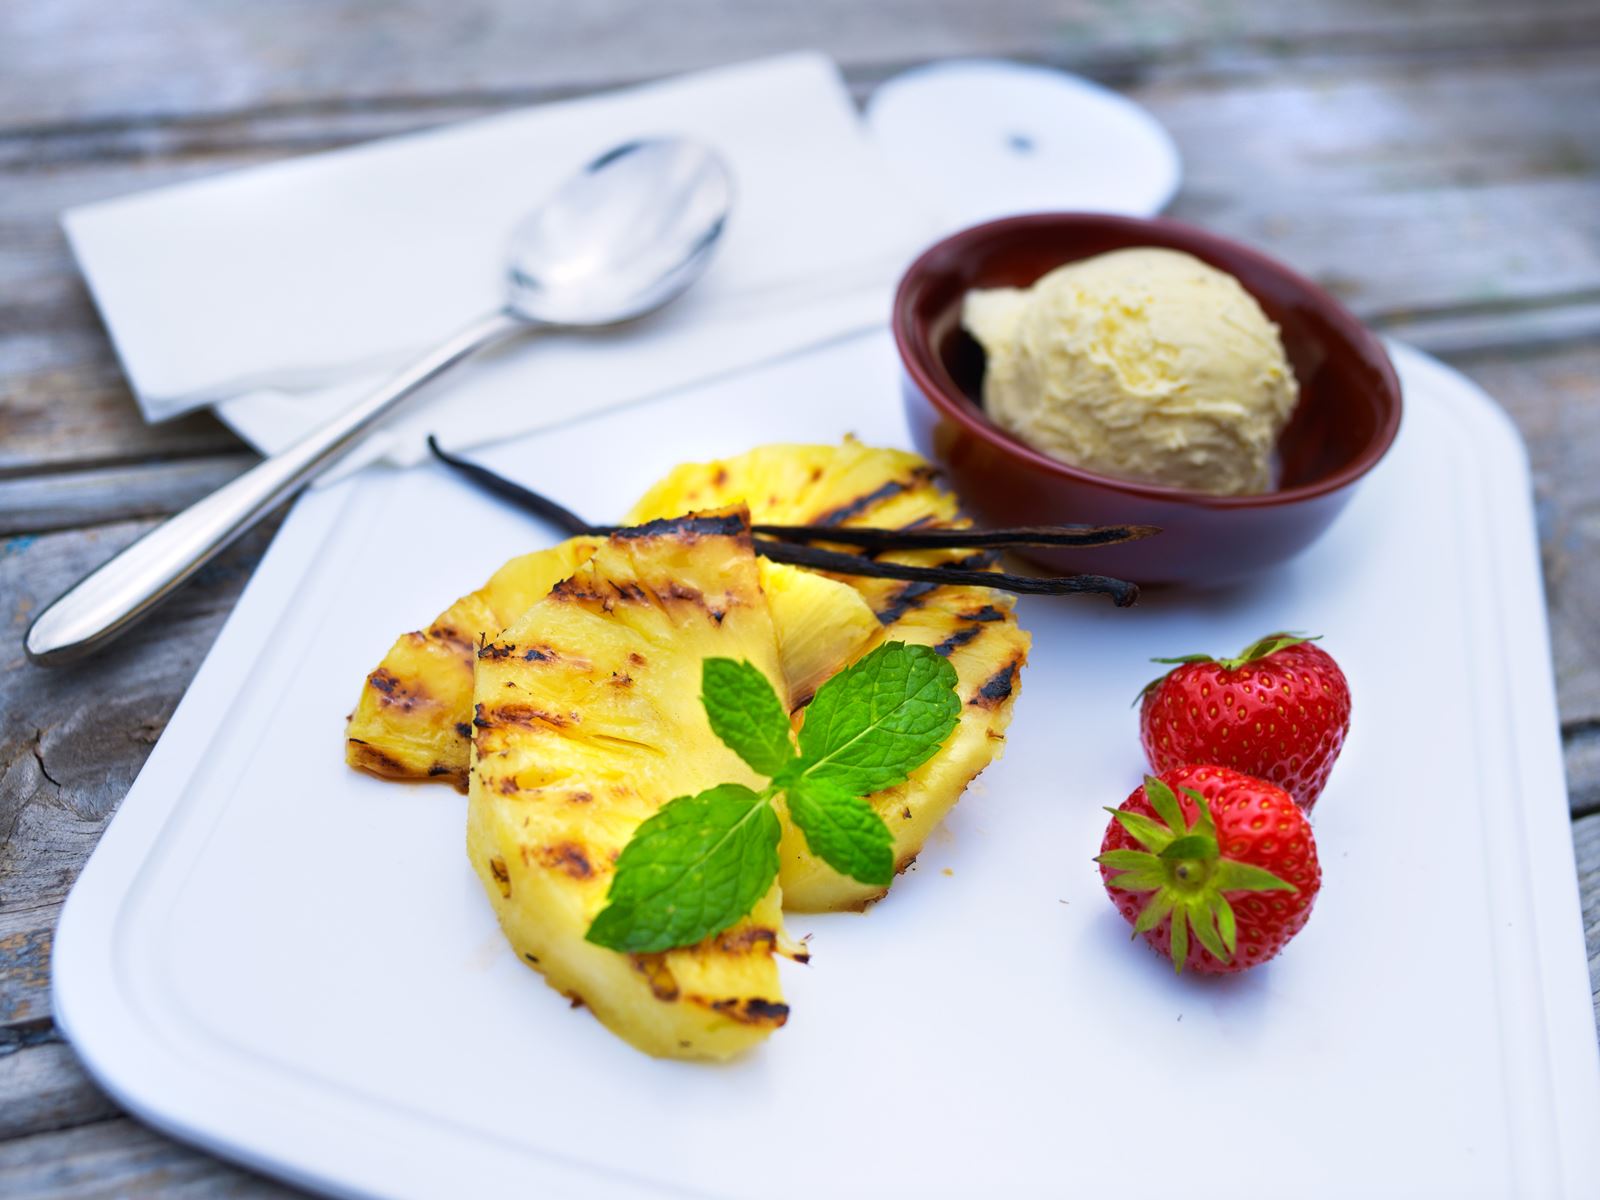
(1438, 165)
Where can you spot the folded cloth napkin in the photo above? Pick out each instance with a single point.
(280, 293)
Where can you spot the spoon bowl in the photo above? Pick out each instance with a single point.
(622, 237)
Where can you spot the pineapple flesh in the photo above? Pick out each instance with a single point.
(822, 625)
(587, 722)
(852, 484)
(414, 718)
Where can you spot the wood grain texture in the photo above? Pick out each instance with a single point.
(42, 1088)
(158, 58)
(1438, 165)
(120, 1158)
(72, 740)
(44, 503)
(1586, 842)
(1555, 400)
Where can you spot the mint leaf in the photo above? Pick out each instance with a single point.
(842, 830)
(875, 722)
(691, 870)
(746, 714)
(702, 862)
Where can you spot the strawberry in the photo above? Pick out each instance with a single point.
(1213, 851)
(1280, 712)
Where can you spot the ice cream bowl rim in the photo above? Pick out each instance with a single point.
(922, 362)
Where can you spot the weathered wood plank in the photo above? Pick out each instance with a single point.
(1342, 128)
(1555, 400)
(73, 61)
(1391, 255)
(1515, 101)
(120, 1158)
(72, 406)
(44, 503)
(43, 1088)
(1582, 744)
(1512, 330)
(1586, 842)
(73, 739)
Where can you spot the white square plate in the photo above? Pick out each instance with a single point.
(293, 965)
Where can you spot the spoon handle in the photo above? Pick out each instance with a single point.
(111, 599)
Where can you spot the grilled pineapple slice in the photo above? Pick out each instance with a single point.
(413, 720)
(852, 484)
(975, 634)
(588, 721)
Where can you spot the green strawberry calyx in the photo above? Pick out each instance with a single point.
(1262, 647)
(1185, 873)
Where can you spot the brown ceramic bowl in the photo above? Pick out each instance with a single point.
(1347, 417)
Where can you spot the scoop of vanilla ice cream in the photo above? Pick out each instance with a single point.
(1144, 364)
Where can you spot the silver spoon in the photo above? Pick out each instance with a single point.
(625, 235)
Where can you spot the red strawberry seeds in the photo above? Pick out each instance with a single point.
(1280, 712)
(1216, 869)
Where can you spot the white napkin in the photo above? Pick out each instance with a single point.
(281, 292)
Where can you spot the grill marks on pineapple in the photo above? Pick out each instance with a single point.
(750, 1011)
(997, 689)
(535, 652)
(690, 528)
(464, 644)
(369, 758)
(911, 596)
(903, 600)
(394, 692)
(751, 939)
(959, 638)
(527, 715)
(567, 857)
(502, 875)
(857, 505)
(663, 983)
(746, 1010)
(668, 596)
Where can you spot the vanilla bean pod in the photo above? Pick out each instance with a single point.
(1121, 592)
(954, 539)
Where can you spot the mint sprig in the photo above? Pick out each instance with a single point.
(873, 724)
(746, 714)
(697, 859)
(703, 862)
(842, 830)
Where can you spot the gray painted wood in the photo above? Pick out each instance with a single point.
(43, 1088)
(1586, 843)
(171, 58)
(120, 1158)
(1437, 165)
